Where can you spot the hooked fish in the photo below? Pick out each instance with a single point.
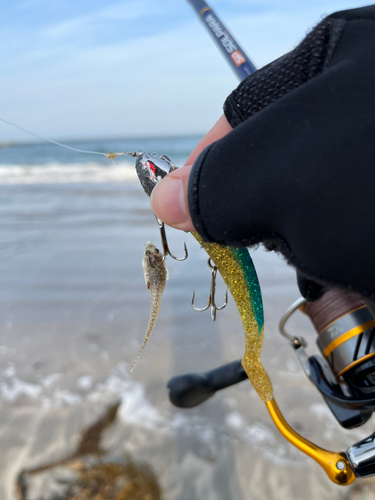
(156, 274)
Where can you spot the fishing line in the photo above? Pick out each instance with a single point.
(110, 156)
(51, 140)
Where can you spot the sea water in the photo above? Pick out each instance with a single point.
(45, 163)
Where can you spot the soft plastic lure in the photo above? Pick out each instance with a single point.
(238, 272)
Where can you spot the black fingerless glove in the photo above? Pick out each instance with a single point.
(298, 171)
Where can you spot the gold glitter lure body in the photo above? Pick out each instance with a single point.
(238, 272)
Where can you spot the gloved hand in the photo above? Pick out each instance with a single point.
(297, 172)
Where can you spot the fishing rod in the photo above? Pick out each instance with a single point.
(239, 62)
(344, 374)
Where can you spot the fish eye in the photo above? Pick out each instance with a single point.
(157, 250)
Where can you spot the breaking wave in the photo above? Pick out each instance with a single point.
(62, 173)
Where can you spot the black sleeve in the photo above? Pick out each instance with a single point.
(298, 171)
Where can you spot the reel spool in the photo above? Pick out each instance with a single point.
(345, 374)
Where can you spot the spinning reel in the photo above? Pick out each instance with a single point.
(344, 375)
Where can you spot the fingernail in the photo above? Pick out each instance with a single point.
(168, 201)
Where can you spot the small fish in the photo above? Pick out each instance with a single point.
(156, 274)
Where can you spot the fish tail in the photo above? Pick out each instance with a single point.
(154, 311)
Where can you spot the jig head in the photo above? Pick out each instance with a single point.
(151, 169)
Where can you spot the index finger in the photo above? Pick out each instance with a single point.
(219, 130)
(169, 197)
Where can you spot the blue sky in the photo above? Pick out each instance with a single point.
(79, 69)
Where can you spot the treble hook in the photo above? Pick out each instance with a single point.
(164, 243)
(211, 300)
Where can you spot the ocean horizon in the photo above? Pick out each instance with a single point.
(46, 163)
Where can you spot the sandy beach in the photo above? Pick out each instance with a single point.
(74, 308)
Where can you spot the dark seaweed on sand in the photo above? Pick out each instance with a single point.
(99, 480)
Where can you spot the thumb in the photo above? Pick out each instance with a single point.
(169, 199)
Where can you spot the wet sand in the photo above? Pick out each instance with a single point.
(74, 308)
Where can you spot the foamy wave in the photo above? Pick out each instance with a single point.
(136, 409)
(61, 173)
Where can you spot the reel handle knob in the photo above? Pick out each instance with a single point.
(362, 457)
(192, 389)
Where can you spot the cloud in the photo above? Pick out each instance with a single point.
(81, 25)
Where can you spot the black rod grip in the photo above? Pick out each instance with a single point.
(186, 391)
